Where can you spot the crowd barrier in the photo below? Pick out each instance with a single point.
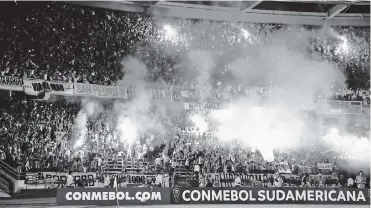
(89, 179)
(191, 99)
(156, 196)
(93, 180)
(36, 87)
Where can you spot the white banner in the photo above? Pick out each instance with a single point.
(130, 179)
(325, 166)
(100, 91)
(59, 88)
(283, 168)
(33, 86)
(210, 95)
(202, 106)
(11, 83)
(58, 177)
(228, 179)
(162, 94)
(158, 93)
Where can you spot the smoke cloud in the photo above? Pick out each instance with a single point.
(89, 110)
(281, 60)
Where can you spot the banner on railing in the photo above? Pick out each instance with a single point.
(325, 166)
(59, 88)
(11, 83)
(157, 93)
(283, 168)
(112, 196)
(202, 106)
(90, 179)
(228, 179)
(128, 179)
(100, 91)
(269, 196)
(59, 179)
(192, 99)
(169, 95)
(196, 136)
(213, 96)
(33, 86)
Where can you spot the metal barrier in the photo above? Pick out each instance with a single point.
(10, 171)
(339, 107)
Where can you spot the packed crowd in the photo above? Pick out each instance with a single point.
(87, 45)
(39, 137)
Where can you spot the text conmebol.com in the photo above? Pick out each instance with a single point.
(107, 195)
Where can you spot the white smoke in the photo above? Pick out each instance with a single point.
(89, 109)
(202, 63)
(128, 130)
(132, 117)
(263, 128)
(140, 114)
(349, 146)
(137, 117)
(134, 70)
(199, 122)
(282, 59)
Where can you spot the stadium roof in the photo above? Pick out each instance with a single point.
(333, 13)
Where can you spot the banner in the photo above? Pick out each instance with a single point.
(100, 91)
(159, 93)
(339, 107)
(196, 136)
(269, 196)
(59, 88)
(325, 166)
(227, 179)
(163, 94)
(112, 196)
(129, 179)
(202, 106)
(284, 168)
(59, 179)
(11, 83)
(213, 96)
(89, 180)
(33, 86)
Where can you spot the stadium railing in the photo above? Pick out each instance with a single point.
(13, 173)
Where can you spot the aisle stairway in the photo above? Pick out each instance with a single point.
(7, 176)
(185, 178)
(9, 171)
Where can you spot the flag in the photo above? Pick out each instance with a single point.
(115, 185)
(115, 182)
(33, 64)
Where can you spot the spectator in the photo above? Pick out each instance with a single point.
(361, 180)
(342, 182)
(237, 181)
(350, 182)
(70, 180)
(278, 181)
